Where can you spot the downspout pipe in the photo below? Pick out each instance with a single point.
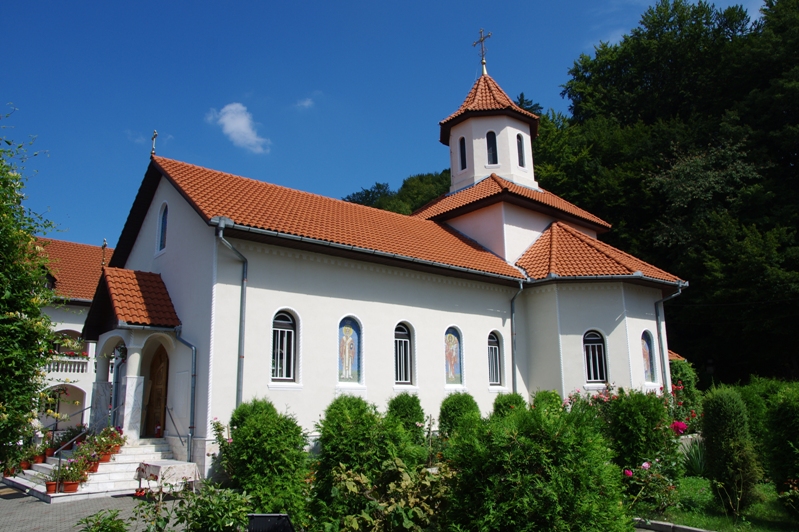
(220, 233)
(190, 437)
(513, 335)
(663, 354)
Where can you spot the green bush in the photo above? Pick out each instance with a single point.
(759, 396)
(103, 521)
(266, 457)
(212, 509)
(730, 454)
(355, 437)
(505, 403)
(782, 446)
(687, 402)
(545, 468)
(454, 409)
(407, 409)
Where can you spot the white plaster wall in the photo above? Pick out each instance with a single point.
(186, 266)
(320, 291)
(640, 305)
(485, 226)
(538, 341)
(474, 130)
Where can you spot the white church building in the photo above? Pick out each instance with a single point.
(223, 288)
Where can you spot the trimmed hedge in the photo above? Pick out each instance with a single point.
(407, 409)
(506, 403)
(455, 408)
(782, 446)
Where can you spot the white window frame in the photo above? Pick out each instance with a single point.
(462, 154)
(520, 150)
(596, 363)
(494, 361)
(284, 349)
(403, 355)
(163, 226)
(652, 359)
(489, 149)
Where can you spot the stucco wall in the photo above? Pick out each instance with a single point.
(320, 291)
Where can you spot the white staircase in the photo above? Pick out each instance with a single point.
(116, 477)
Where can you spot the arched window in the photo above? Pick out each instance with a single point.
(491, 145)
(284, 347)
(595, 364)
(162, 219)
(403, 359)
(349, 351)
(649, 357)
(454, 356)
(494, 361)
(462, 148)
(520, 148)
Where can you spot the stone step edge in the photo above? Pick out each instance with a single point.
(40, 492)
(662, 526)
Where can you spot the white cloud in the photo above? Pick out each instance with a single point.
(138, 138)
(237, 124)
(305, 104)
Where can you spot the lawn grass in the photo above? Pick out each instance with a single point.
(699, 508)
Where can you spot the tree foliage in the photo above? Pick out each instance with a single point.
(25, 338)
(416, 191)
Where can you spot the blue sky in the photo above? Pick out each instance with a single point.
(326, 97)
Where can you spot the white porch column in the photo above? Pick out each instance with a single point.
(101, 393)
(132, 393)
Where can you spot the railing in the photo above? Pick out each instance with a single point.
(67, 365)
(177, 431)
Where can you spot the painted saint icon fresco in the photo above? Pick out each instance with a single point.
(452, 351)
(649, 357)
(349, 351)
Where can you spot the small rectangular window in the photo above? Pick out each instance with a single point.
(402, 361)
(283, 354)
(494, 366)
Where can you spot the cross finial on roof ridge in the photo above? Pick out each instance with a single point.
(482, 41)
(155, 136)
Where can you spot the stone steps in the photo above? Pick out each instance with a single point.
(112, 478)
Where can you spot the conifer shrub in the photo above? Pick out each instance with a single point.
(545, 468)
(455, 408)
(687, 398)
(265, 456)
(759, 396)
(507, 403)
(407, 409)
(730, 454)
(782, 447)
(354, 437)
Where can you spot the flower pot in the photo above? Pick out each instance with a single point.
(8, 472)
(68, 447)
(115, 449)
(51, 486)
(49, 452)
(70, 486)
(38, 459)
(105, 457)
(24, 465)
(93, 467)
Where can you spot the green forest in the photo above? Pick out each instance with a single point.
(685, 137)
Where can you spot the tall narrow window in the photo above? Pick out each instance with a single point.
(349, 351)
(649, 357)
(491, 144)
(462, 148)
(403, 360)
(284, 349)
(494, 361)
(520, 148)
(453, 355)
(162, 227)
(595, 364)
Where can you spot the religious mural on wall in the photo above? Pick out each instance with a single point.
(349, 351)
(452, 351)
(649, 359)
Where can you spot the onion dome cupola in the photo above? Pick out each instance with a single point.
(490, 134)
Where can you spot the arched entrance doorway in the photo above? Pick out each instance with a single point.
(155, 395)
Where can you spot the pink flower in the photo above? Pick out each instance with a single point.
(678, 427)
(230, 440)
(645, 465)
(628, 473)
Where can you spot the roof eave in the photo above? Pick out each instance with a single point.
(635, 278)
(447, 125)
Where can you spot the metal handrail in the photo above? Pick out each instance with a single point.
(55, 423)
(177, 430)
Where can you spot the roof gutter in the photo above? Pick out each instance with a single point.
(221, 224)
(217, 220)
(637, 276)
(513, 334)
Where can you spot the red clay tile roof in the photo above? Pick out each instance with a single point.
(262, 205)
(486, 95)
(495, 185)
(566, 252)
(140, 298)
(75, 267)
(675, 356)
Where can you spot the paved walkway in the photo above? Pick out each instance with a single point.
(23, 512)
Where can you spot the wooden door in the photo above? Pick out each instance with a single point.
(156, 405)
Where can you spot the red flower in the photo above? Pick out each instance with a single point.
(678, 427)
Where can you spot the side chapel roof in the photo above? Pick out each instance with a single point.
(563, 251)
(486, 98)
(75, 268)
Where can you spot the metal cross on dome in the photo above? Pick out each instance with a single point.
(482, 41)
(155, 136)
